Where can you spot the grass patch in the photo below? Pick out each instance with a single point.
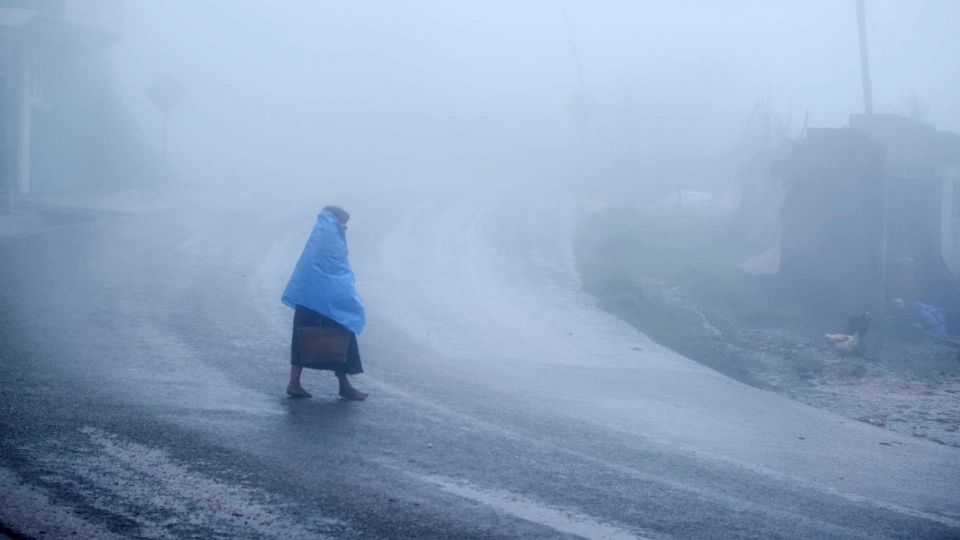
(621, 252)
(808, 365)
(618, 249)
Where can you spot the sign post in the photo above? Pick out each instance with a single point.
(166, 93)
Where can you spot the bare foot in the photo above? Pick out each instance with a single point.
(353, 394)
(297, 392)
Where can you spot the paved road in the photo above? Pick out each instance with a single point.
(144, 361)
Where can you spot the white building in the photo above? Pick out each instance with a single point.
(30, 31)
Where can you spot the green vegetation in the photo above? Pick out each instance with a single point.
(663, 270)
(620, 249)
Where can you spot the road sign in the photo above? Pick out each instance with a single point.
(166, 93)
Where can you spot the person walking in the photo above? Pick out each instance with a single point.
(322, 291)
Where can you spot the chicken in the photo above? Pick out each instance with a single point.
(852, 342)
(844, 343)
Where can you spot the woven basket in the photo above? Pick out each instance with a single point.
(322, 346)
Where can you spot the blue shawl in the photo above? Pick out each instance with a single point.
(322, 280)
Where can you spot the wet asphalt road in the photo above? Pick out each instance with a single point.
(144, 359)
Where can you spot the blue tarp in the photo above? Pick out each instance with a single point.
(933, 319)
(323, 280)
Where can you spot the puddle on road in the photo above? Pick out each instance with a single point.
(559, 519)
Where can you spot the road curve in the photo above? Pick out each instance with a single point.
(144, 360)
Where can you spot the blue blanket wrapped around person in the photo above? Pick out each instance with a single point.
(322, 280)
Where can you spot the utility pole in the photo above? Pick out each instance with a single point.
(580, 103)
(576, 53)
(884, 184)
(864, 58)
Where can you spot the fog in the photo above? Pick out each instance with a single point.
(299, 91)
(616, 269)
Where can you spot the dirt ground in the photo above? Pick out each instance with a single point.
(908, 387)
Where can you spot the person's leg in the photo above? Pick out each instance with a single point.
(353, 366)
(293, 387)
(347, 391)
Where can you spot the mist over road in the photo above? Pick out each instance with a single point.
(145, 356)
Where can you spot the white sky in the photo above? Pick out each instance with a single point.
(276, 88)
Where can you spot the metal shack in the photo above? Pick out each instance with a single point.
(871, 213)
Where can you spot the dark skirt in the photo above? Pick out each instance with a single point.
(308, 317)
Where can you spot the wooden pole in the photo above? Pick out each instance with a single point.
(864, 58)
